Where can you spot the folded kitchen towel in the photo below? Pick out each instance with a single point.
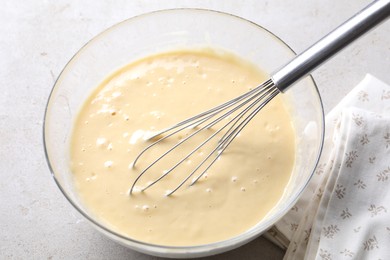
(344, 213)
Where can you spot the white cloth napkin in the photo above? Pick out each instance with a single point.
(344, 213)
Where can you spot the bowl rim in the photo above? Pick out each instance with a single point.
(230, 243)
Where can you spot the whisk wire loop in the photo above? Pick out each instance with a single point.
(263, 94)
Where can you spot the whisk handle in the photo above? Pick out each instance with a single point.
(307, 61)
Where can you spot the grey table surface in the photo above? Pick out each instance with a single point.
(37, 38)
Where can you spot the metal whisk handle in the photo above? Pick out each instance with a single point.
(307, 61)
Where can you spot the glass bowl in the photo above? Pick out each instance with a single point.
(169, 30)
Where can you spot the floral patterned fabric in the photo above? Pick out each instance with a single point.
(345, 211)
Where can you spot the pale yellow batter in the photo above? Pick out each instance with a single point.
(151, 94)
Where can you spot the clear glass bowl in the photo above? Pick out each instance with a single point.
(167, 30)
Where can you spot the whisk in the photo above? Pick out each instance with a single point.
(241, 110)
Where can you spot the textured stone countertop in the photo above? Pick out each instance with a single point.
(39, 37)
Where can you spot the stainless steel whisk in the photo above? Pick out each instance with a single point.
(243, 108)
